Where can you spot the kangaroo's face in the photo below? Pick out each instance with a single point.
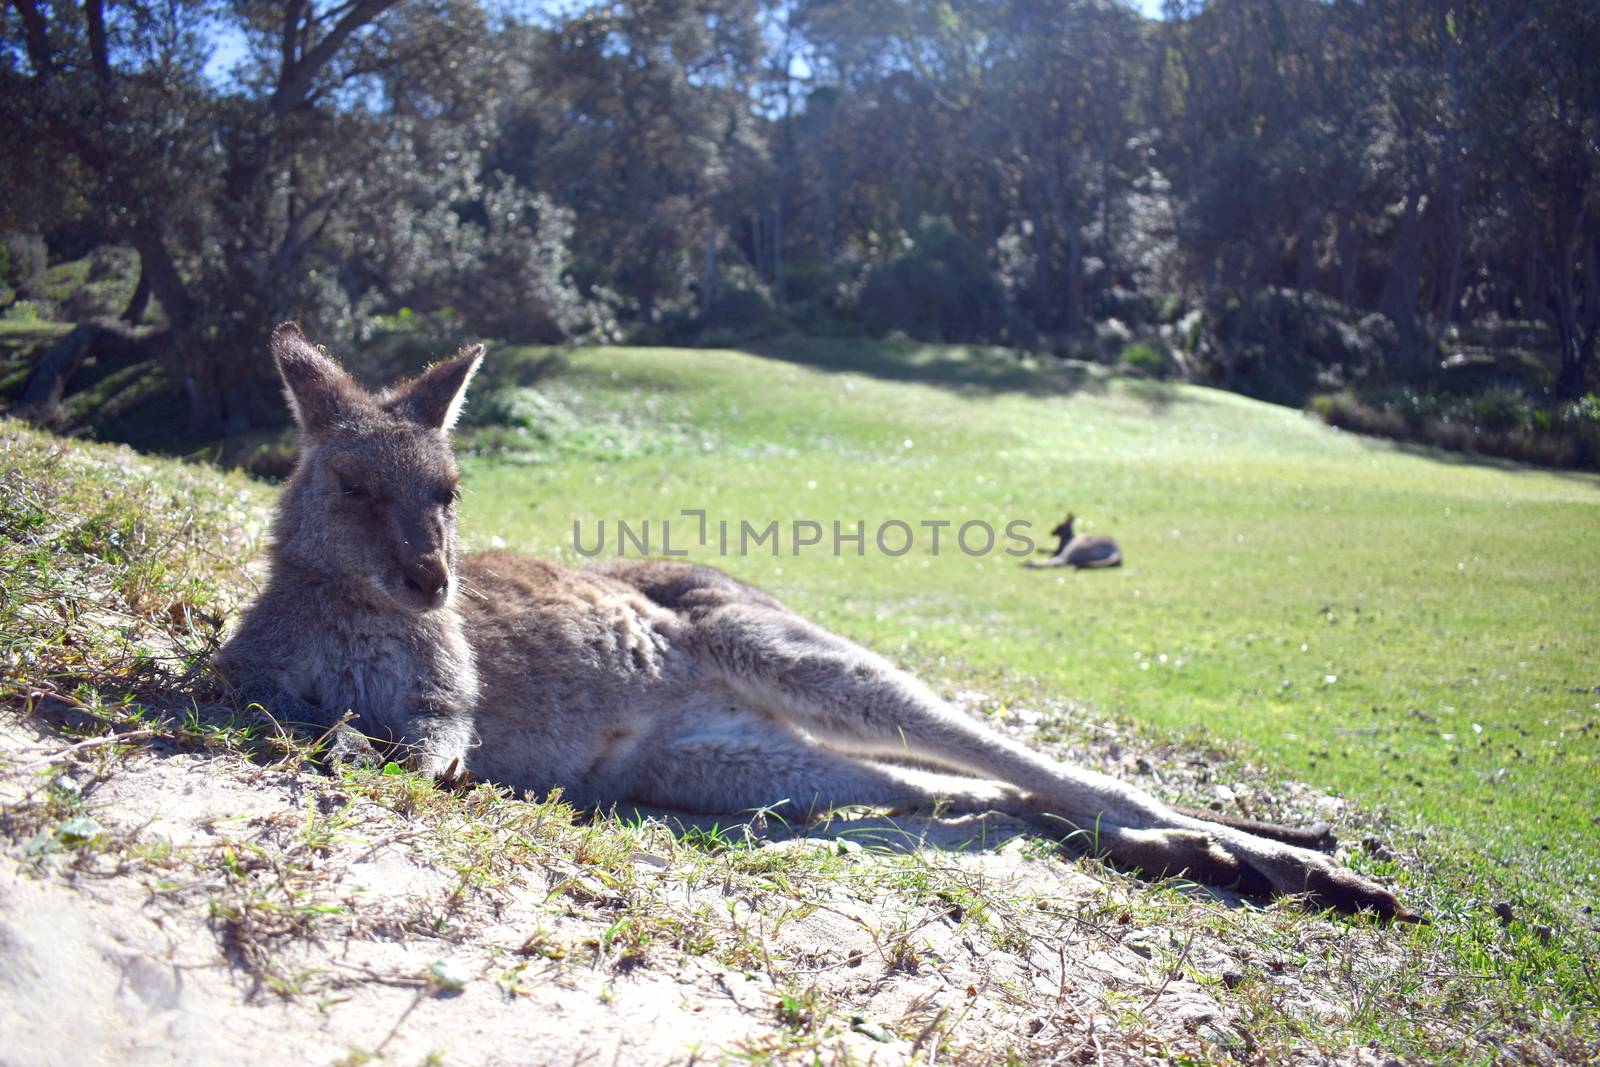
(1064, 529)
(373, 499)
(387, 496)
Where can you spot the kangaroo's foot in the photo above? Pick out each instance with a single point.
(1256, 866)
(1317, 836)
(445, 767)
(1179, 854)
(1293, 871)
(1321, 881)
(455, 777)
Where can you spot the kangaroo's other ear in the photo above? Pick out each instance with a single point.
(435, 396)
(319, 390)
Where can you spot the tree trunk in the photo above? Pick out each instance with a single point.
(1074, 316)
(758, 246)
(1573, 307)
(166, 284)
(1043, 251)
(1066, 224)
(1400, 289)
(708, 275)
(1305, 253)
(226, 395)
(48, 379)
(777, 251)
(1348, 260)
(1450, 293)
(827, 234)
(133, 314)
(1578, 338)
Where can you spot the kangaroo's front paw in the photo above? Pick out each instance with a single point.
(448, 769)
(454, 777)
(351, 748)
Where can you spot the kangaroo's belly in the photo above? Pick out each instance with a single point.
(577, 674)
(584, 730)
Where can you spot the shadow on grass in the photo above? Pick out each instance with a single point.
(866, 830)
(1373, 443)
(961, 368)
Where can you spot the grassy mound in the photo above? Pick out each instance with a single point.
(260, 904)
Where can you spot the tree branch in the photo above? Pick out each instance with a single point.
(94, 18)
(294, 81)
(288, 44)
(37, 35)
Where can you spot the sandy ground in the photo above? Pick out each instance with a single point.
(201, 923)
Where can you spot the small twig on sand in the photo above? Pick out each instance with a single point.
(1172, 972)
(926, 1030)
(72, 750)
(422, 994)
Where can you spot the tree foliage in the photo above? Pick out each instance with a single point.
(1315, 189)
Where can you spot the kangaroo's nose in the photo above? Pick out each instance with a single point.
(430, 577)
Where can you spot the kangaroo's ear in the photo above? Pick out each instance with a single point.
(435, 396)
(319, 390)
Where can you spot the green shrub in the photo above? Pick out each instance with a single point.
(1145, 359)
(1499, 422)
(823, 299)
(517, 408)
(940, 288)
(1581, 419)
(740, 313)
(1500, 409)
(23, 311)
(1347, 412)
(62, 280)
(22, 264)
(1283, 344)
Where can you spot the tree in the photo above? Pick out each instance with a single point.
(1542, 102)
(239, 202)
(637, 117)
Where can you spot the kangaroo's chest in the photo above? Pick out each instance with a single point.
(375, 672)
(366, 676)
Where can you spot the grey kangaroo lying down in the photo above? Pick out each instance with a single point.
(1080, 551)
(655, 683)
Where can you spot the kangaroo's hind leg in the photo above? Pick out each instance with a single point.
(743, 762)
(854, 700)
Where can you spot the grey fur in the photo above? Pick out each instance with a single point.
(647, 682)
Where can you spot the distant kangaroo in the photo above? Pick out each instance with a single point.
(636, 681)
(1080, 551)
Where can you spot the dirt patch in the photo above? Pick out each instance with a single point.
(172, 907)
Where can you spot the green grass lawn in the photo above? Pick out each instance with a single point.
(1416, 631)
(1410, 630)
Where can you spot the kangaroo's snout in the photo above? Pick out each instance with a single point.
(429, 577)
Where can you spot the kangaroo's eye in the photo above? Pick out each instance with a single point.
(351, 489)
(448, 498)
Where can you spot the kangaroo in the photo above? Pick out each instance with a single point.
(637, 682)
(1080, 551)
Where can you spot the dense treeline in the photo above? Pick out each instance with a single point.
(1279, 195)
